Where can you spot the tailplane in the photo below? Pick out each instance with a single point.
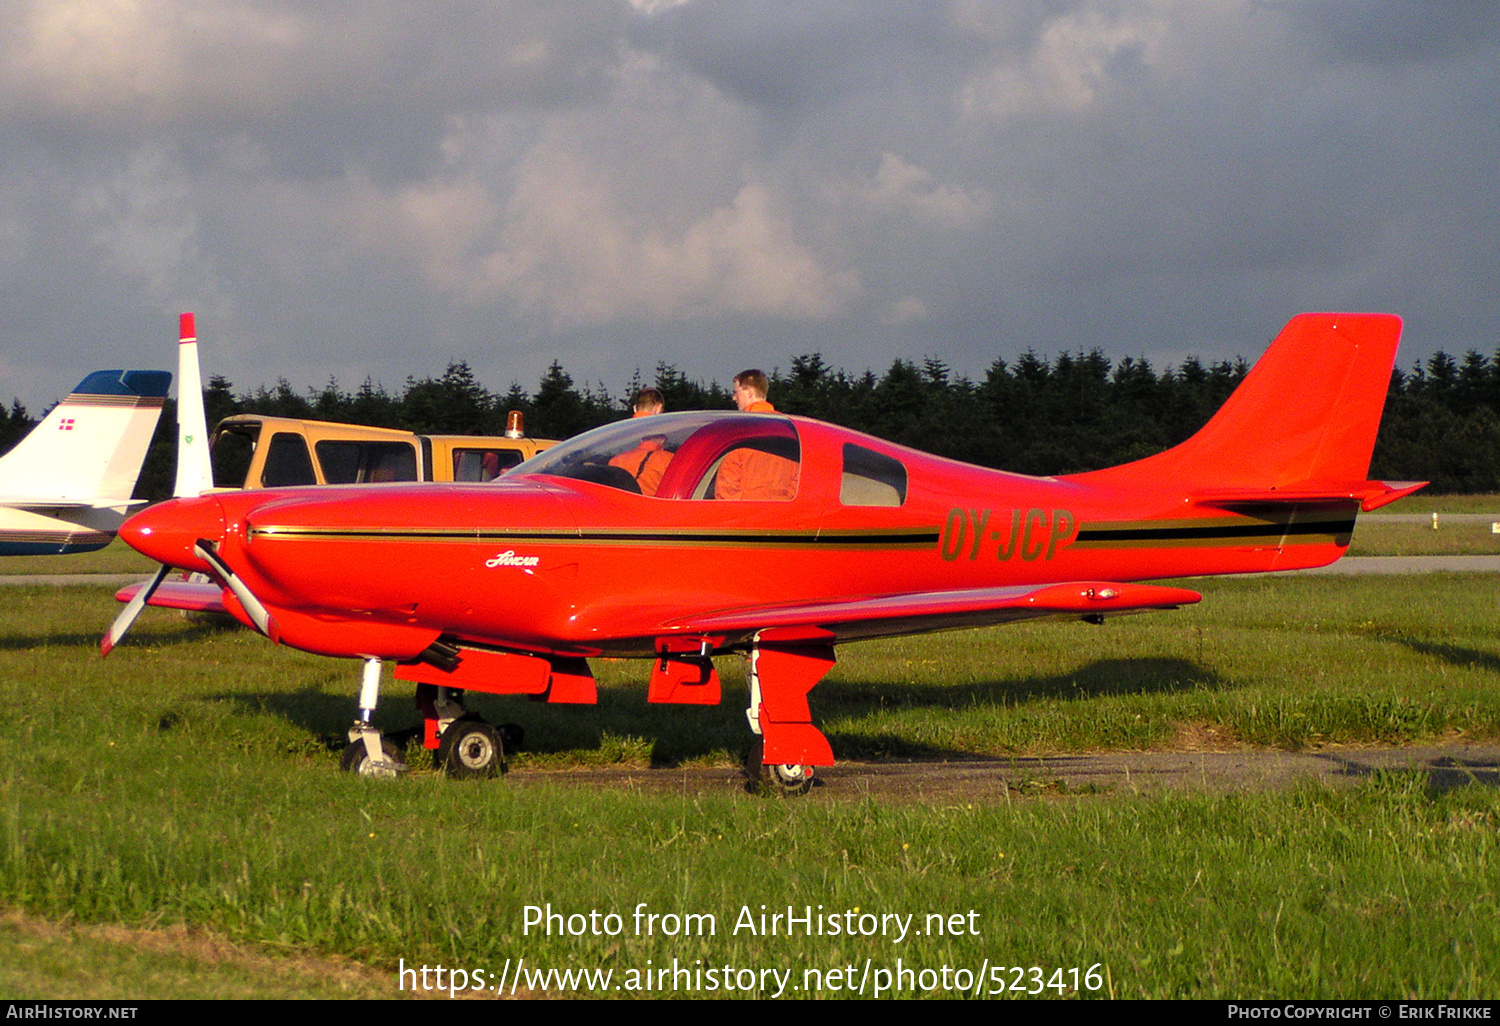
(1300, 427)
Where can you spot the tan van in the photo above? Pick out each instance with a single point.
(251, 451)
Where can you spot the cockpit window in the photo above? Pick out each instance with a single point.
(721, 456)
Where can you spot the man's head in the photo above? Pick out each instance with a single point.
(749, 388)
(649, 402)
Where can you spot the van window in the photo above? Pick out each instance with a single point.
(231, 455)
(346, 462)
(483, 464)
(288, 463)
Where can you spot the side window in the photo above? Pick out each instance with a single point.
(871, 479)
(288, 463)
(483, 464)
(340, 461)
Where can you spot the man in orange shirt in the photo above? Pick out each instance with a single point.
(751, 474)
(647, 462)
(648, 403)
(750, 387)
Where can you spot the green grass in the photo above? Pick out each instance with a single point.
(184, 782)
(1375, 537)
(1422, 502)
(45, 960)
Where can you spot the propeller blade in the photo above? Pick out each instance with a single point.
(259, 615)
(131, 611)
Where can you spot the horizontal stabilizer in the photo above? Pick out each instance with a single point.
(25, 502)
(190, 596)
(1369, 494)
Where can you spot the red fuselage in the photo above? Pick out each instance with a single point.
(559, 564)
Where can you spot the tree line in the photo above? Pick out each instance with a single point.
(1075, 412)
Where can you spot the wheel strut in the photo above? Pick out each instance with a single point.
(786, 746)
(368, 753)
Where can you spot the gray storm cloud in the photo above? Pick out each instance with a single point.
(352, 189)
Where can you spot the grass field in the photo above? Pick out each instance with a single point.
(1421, 502)
(115, 558)
(175, 812)
(1377, 537)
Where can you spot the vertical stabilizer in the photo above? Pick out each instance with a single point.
(90, 447)
(1304, 418)
(194, 471)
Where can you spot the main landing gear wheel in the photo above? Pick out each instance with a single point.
(471, 748)
(356, 760)
(789, 780)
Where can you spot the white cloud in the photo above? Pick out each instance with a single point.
(862, 177)
(650, 7)
(653, 204)
(903, 311)
(902, 188)
(1067, 65)
(564, 247)
(155, 60)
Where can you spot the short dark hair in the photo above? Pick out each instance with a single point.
(648, 397)
(753, 379)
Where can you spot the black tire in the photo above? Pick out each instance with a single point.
(471, 748)
(787, 781)
(512, 735)
(356, 759)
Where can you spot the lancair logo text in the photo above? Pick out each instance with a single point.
(509, 558)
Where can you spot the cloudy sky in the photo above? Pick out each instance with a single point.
(353, 188)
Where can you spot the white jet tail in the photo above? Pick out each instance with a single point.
(89, 449)
(65, 486)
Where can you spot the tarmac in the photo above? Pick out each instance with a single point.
(1117, 774)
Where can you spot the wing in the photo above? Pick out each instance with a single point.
(193, 596)
(920, 612)
(32, 502)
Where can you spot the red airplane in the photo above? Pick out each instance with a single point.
(772, 536)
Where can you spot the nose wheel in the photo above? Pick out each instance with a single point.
(369, 754)
(386, 765)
